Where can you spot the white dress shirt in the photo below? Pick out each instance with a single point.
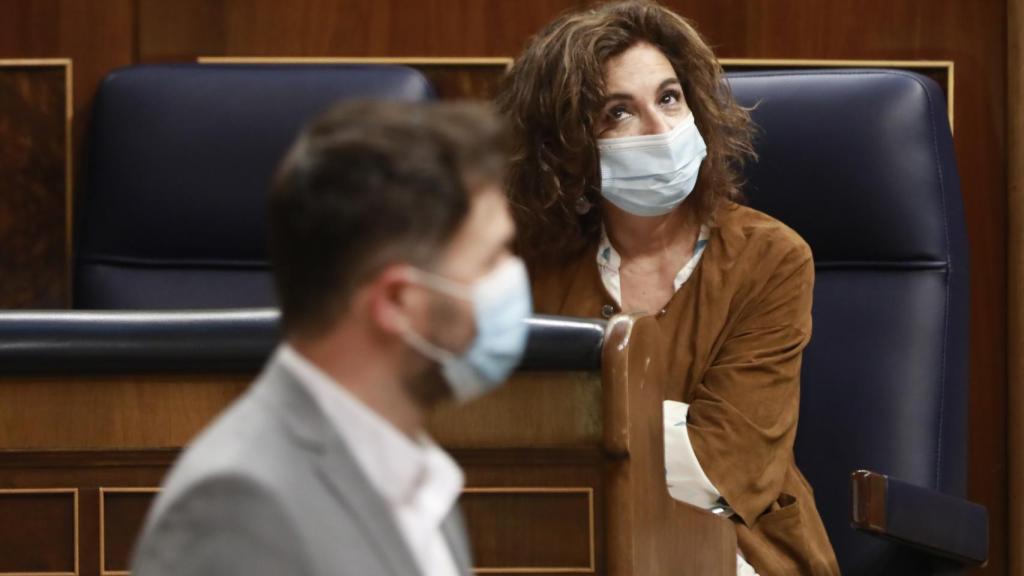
(417, 479)
(684, 477)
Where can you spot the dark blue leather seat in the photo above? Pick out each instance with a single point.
(172, 214)
(861, 164)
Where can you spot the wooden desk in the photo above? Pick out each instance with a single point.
(565, 471)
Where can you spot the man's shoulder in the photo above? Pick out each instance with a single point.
(248, 443)
(241, 472)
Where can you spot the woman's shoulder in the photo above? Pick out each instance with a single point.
(551, 280)
(749, 231)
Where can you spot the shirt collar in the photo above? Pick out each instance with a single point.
(609, 262)
(406, 472)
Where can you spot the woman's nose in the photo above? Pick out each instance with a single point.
(656, 123)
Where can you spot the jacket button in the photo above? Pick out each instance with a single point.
(607, 311)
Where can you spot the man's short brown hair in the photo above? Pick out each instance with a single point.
(369, 184)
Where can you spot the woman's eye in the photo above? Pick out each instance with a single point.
(617, 113)
(670, 97)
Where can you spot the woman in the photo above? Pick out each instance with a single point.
(625, 181)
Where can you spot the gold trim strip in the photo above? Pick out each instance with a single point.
(103, 524)
(35, 62)
(74, 501)
(543, 490)
(69, 184)
(815, 63)
(410, 61)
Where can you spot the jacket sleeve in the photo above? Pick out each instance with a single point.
(221, 526)
(743, 417)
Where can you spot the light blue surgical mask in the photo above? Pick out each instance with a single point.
(652, 175)
(501, 304)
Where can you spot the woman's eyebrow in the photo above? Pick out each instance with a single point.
(624, 96)
(668, 82)
(617, 96)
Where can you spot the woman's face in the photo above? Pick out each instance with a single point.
(644, 95)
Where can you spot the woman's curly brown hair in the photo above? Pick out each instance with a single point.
(552, 98)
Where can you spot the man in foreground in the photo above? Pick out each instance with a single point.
(389, 236)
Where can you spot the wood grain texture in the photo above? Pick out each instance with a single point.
(529, 468)
(1015, 273)
(192, 28)
(869, 499)
(532, 410)
(34, 169)
(97, 37)
(123, 512)
(37, 531)
(116, 412)
(525, 508)
(549, 526)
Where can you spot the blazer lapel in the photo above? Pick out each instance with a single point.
(348, 483)
(342, 475)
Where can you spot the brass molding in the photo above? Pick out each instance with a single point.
(69, 116)
(74, 500)
(103, 524)
(586, 490)
(503, 61)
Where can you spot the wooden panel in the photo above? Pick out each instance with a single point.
(550, 499)
(582, 468)
(35, 129)
(187, 29)
(451, 78)
(110, 412)
(552, 528)
(562, 411)
(97, 37)
(122, 513)
(39, 531)
(1015, 217)
(86, 471)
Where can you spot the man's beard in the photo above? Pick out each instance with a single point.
(429, 388)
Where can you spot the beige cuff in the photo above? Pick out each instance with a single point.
(684, 476)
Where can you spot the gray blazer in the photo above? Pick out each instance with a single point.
(270, 488)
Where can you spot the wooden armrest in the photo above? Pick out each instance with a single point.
(938, 523)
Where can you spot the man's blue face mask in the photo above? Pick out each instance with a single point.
(501, 304)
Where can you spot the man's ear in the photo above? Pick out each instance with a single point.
(387, 300)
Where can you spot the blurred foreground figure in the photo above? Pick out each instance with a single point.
(389, 236)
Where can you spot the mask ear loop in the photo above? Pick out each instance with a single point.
(447, 287)
(428, 349)
(442, 285)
